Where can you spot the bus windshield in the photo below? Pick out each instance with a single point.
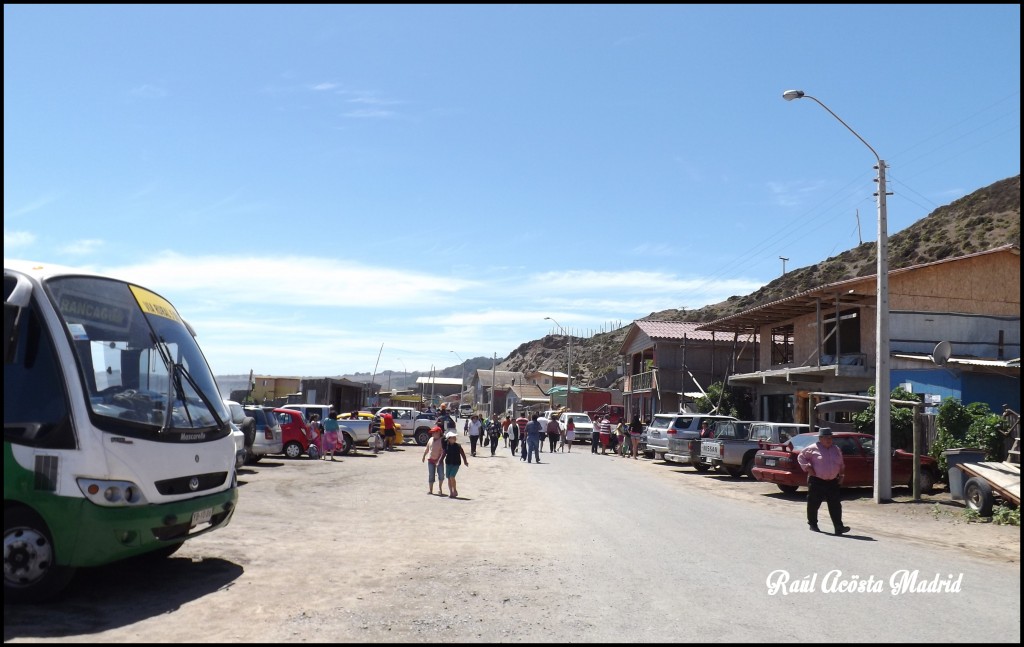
(136, 355)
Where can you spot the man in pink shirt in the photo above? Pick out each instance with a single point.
(823, 463)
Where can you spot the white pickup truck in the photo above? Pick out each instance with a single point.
(735, 443)
(414, 423)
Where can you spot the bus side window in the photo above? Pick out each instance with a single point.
(35, 403)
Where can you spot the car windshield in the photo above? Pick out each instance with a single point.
(581, 420)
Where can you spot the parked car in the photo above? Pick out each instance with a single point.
(736, 443)
(778, 464)
(362, 415)
(465, 410)
(684, 427)
(268, 432)
(246, 425)
(584, 425)
(294, 432)
(307, 410)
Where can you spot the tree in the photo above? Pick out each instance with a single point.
(901, 419)
(973, 425)
(725, 401)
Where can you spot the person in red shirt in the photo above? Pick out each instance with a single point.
(521, 423)
(387, 422)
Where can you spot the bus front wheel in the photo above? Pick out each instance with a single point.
(31, 573)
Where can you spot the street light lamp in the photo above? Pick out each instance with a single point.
(462, 387)
(883, 440)
(568, 363)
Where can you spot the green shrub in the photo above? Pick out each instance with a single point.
(984, 433)
(901, 419)
(1005, 515)
(973, 425)
(972, 516)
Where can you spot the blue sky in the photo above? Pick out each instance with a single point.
(310, 183)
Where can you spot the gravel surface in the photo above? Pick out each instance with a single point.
(357, 551)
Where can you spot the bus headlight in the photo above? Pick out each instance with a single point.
(111, 494)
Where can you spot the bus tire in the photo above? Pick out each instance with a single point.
(30, 570)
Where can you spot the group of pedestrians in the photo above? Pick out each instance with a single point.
(623, 440)
(324, 435)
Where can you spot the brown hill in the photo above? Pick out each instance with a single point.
(987, 218)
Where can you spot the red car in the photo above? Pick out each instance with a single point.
(294, 432)
(778, 464)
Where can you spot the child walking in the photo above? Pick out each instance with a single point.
(454, 457)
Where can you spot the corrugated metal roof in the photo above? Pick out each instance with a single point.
(672, 329)
(969, 361)
(501, 378)
(450, 381)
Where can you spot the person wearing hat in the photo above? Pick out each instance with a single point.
(824, 465)
(454, 457)
(433, 453)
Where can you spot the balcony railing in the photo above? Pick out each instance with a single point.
(639, 382)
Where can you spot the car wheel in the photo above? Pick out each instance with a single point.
(928, 481)
(748, 469)
(734, 471)
(787, 489)
(293, 450)
(702, 467)
(31, 573)
(649, 454)
(978, 496)
(254, 458)
(346, 444)
(422, 436)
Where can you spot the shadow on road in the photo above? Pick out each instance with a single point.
(121, 594)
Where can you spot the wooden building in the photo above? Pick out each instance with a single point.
(823, 339)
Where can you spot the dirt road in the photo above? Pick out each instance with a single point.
(356, 550)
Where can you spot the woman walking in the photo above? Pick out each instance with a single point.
(433, 454)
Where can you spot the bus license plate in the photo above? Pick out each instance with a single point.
(202, 516)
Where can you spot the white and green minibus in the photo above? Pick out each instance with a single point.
(116, 441)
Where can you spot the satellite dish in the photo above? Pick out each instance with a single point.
(941, 354)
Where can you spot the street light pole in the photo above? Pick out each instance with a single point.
(883, 439)
(568, 364)
(405, 373)
(462, 387)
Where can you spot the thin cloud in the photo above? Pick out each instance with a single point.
(82, 247)
(792, 194)
(369, 114)
(17, 239)
(31, 207)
